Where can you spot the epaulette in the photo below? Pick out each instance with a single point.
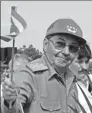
(37, 66)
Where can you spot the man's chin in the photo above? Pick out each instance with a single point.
(62, 63)
(59, 64)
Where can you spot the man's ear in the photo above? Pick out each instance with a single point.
(45, 44)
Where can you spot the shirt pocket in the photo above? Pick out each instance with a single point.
(50, 105)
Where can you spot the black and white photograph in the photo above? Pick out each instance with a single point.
(46, 57)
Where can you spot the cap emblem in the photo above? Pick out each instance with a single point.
(71, 29)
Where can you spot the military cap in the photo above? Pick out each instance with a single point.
(66, 26)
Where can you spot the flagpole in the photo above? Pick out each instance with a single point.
(10, 104)
(13, 46)
(12, 64)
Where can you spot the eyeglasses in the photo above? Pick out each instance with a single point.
(60, 45)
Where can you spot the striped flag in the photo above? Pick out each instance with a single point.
(18, 24)
(81, 97)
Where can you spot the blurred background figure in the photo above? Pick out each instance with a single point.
(84, 56)
(85, 62)
(82, 66)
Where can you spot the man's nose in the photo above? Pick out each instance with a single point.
(66, 51)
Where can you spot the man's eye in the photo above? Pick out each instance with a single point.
(60, 44)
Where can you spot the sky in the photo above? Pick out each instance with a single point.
(40, 14)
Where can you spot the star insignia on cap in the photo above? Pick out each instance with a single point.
(71, 29)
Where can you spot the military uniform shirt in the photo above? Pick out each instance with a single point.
(43, 90)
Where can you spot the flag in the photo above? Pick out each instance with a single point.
(18, 24)
(82, 100)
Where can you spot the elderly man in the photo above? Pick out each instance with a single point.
(47, 85)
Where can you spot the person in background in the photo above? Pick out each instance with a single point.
(47, 85)
(83, 66)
